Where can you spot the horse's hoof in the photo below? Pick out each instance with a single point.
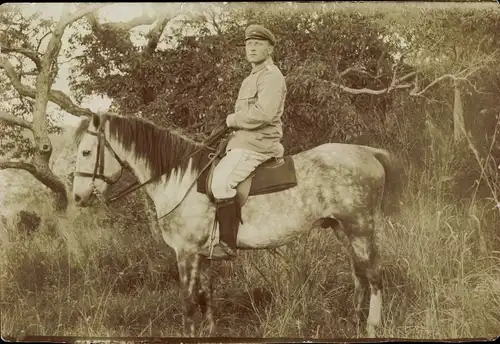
(370, 331)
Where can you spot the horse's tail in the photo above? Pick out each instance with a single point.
(394, 179)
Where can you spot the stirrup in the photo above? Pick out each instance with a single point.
(220, 251)
(226, 248)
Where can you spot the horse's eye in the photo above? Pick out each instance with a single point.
(86, 153)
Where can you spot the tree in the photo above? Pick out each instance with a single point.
(450, 46)
(16, 39)
(194, 81)
(188, 72)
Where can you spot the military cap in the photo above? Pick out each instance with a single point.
(259, 32)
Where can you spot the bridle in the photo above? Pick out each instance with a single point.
(98, 172)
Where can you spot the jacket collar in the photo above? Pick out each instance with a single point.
(267, 62)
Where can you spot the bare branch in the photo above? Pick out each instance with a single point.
(155, 33)
(139, 21)
(96, 26)
(14, 78)
(11, 120)
(395, 83)
(477, 53)
(211, 18)
(367, 90)
(41, 40)
(43, 91)
(216, 26)
(353, 69)
(30, 73)
(82, 12)
(32, 55)
(55, 96)
(436, 81)
(128, 25)
(416, 87)
(394, 73)
(407, 76)
(18, 165)
(474, 86)
(462, 76)
(380, 60)
(54, 45)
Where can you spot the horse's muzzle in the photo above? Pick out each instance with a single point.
(81, 201)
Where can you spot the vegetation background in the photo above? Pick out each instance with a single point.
(422, 80)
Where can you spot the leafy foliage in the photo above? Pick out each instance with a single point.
(15, 141)
(197, 79)
(326, 55)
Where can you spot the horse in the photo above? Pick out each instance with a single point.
(338, 186)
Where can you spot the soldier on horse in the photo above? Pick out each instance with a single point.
(333, 186)
(256, 133)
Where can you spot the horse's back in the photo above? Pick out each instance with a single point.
(353, 169)
(344, 159)
(333, 180)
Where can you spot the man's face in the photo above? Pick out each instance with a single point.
(257, 51)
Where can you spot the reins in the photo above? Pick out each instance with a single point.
(212, 157)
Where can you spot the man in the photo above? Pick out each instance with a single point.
(256, 133)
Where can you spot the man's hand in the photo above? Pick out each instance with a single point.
(221, 128)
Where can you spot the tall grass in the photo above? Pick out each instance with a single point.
(86, 274)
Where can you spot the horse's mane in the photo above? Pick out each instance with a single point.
(163, 149)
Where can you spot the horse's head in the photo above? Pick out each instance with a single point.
(97, 165)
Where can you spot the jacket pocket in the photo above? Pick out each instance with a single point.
(246, 98)
(247, 92)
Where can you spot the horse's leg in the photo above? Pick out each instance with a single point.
(358, 240)
(205, 294)
(189, 269)
(363, 255)
(360, 281)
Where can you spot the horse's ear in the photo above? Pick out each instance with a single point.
(96, 121)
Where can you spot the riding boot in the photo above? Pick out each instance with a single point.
(228, 216)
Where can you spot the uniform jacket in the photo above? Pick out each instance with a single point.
(257, 118)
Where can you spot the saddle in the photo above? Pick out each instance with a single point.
(273, 175)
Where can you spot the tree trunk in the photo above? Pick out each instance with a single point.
(458, 115)
(46, 177)
(43, 146)
(47, 71)
(50, 180)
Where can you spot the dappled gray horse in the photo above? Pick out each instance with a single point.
(335, 186)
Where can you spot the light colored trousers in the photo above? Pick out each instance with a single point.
(235, 167)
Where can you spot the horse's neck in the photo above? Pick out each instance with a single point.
(165, 193)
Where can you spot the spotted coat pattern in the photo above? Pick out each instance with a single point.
(340, 186)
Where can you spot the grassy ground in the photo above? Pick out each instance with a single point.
(87, 277)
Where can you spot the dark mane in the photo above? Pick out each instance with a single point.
(162, 149)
